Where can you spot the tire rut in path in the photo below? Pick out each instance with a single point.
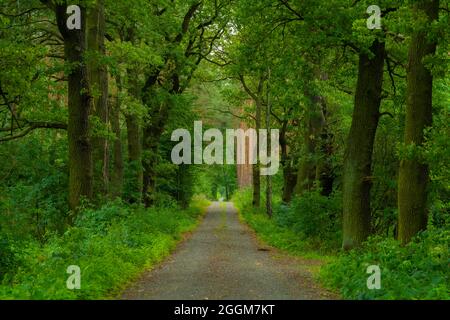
(222, 260)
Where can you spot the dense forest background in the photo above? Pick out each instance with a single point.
(86, 117)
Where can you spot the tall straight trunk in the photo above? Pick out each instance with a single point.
(183, 177)
(98, 77)
(358, 153)
(227, 187)
(413, 173)
(152, 135)
(307, 166)
(117, 168)
(256, 169)
(79, 105)
(268, 177)
(134, 158)
(153, 130)
(324, 170)
(134, 146)
(149, 162)
(244, 171)
(289, 174)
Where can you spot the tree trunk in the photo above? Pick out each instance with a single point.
(358, 154)
(289, 174)
(269, 145)
(256, 169)
(324, 170)
(135, 179)
(98, 78)
(413, 173)
(79, 105)
(117, 174)
(153, 131)
(244, 171)
(152, 135)
(158, 113)
(307, 166)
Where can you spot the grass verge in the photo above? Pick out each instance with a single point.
(111, 245)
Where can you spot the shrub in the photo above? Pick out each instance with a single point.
(419, 270)
(7, 259)
(111, 245)
(312, 215)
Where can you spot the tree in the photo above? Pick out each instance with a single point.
(198, 31)
(98, 79)
(258, 99)
(358, 155)
(79, 105)
(413, 174)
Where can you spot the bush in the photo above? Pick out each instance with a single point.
(7, 259)
(312, 215)
(419, 270)
(111, 245)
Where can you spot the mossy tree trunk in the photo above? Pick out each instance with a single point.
(359, 149)
(269, 210)
(256, 168)
(98, 78)
(324, 170)
(118, 165)
(413, 173)
(79, 105)
(257, 97)
(307, 165)
(289, 173)
(152, 132)
(134, 135)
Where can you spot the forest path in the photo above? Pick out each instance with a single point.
(223, 260)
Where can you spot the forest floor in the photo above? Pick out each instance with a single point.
(223, 259)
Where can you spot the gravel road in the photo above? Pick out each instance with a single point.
(223, 260)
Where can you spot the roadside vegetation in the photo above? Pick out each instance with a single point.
(112, 245)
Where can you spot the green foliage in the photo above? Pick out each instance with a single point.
(33, 192)
(112, 245)
(7, 259)
(313, 216)
(311, 49)
(416, 271)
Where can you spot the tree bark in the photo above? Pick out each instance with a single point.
(307, 166)
(413, 173)
(324, 170)
(289, 173)
(79, 105)
(152, 135)
(268, 177)
(256, 169)
(153, 130)
(134, 146)
(244, 171)
(117, 173)
(358, 154)
(98, 77)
